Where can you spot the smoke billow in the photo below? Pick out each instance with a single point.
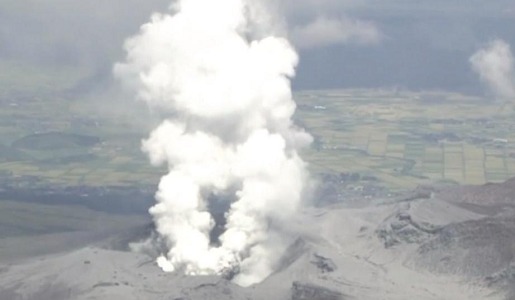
(494, 64)
(224, 87)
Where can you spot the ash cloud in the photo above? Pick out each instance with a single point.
(222, 79)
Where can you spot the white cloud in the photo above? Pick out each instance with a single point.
(494, 64)
(325, 31)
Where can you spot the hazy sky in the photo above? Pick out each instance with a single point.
(413, 44)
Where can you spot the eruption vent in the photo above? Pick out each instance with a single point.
(224, 88)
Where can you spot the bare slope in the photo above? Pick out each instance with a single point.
(439, 246)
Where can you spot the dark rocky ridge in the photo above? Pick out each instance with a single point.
(307, 291)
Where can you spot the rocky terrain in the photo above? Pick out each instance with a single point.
(436, 243)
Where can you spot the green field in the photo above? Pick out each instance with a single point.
(402, 138)
(70, 141)
(407, 138)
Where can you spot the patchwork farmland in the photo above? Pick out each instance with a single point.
(406, 139)
(400, 139)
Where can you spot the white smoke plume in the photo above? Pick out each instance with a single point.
(494, 64)
(224, 87)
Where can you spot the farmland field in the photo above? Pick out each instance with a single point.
(406, 138)
(402, 139)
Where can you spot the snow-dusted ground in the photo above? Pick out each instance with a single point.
(431, 248)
